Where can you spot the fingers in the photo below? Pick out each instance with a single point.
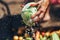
(39, 15)
(36, 19)
(42, 9)
(41, 12)
(33, 15)
(34, 4)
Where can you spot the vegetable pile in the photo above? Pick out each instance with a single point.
(51, 36)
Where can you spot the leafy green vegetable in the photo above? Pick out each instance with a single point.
(55, 36)
(26, 14)
(28, 38)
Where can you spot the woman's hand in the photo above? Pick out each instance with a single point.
(41, 11)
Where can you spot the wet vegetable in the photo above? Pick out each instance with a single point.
(55, 36)
(26, 14)
(43, 38)
(28, 38)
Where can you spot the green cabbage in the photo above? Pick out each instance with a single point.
(27, 11)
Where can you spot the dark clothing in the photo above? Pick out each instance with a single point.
(5, 27)
(7, 24)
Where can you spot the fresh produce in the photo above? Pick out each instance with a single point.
(54, 36)
(15, 38)
(26, 14)
(47, 34)
(28, 38)
(43, 33)
(43, 37)
(50, 36)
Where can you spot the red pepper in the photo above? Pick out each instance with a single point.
(43, 33)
